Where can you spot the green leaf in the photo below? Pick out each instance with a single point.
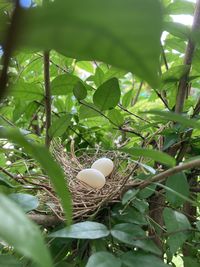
(107, 96)
(174, 74)
(177, 29)
(152, 154)
(133, 235)
(27, 91)
(166, 115)
(191, 262)
(87, 112)
(60, 125)
(83, 230)
(25, 201)
(129, 195)
(103, 259)
(21, 233)
(177, 182)
(53, 170)
(127, 98)
(180, 7)
(136, 259)
(9, 261)
(4, 181)
(176, 222)
(116, 117)
(80, 91)
(107, 31)
(64, 84)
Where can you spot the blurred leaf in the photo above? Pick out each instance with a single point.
(177, 29)
(176, 222)
(4, 181)
(115, 116)
(42, 155)
(63, 84)
(80, 91)
(174, 74)
(9, 261)
(87, 112)
(103, 259)
(191, 262)
(177, 182)
(137, 259)
(127, 98)
(129, 195)
(180, 7)
(152, 154)
(60, 125)
(18, 231)
(118, 33)
(183, 120)
(83, 230)
(107, 96)
(25, 201)
(132, 235)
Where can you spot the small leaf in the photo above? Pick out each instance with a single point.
(42, 155)
(25, 201)
(60, 125)
(83, 230)
(176, 222)
(133, 235)
(137, 259)
(103, 259)
(107, 96)
(152, 154)
(129, 195)
(80, 91)
(64, 84)
(21, 233)
(178, 183)
(116, 117)
(4, 181)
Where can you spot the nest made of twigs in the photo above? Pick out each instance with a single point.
(86, 200)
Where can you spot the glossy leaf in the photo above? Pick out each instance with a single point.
(27, 202)
(42, 155)
(21, 233)
(99, 30)
(103, 259)
(152, 154)
(134, 235)
(107, 96)
(176, 222)
(135, 259)
(83, 230)
(178, 183)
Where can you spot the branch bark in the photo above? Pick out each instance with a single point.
(183, 84)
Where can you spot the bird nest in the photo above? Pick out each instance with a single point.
(86, 200)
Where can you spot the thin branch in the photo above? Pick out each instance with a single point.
(8, 48)
(47, 97)
(164, 57)
(45, 220)
(183, 84)
(163, 175)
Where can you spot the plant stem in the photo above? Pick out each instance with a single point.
(47, 97)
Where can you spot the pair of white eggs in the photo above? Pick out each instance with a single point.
(95, 177)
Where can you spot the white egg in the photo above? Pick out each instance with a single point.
(103, 165)
(92, 177)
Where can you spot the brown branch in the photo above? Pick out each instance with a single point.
(183, 84)
(47, 97)
(8, 48)
(163, 175)
(45, 220)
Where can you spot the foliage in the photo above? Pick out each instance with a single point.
(115, 68)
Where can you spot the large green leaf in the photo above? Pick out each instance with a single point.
(60, 125)
(152, 154)
(166, 115)
(27, 202)
(21, 233)
(83, 230)
(64, 84)
(134, 235)
(177, 182)
(108, 31)
(135, 259)
(103, 259)
(42, 155)
(107, 96)
(177, 225)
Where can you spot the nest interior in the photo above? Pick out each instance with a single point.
(86, 200)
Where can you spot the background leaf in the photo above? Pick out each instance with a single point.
(101, 259)
(27, 202)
